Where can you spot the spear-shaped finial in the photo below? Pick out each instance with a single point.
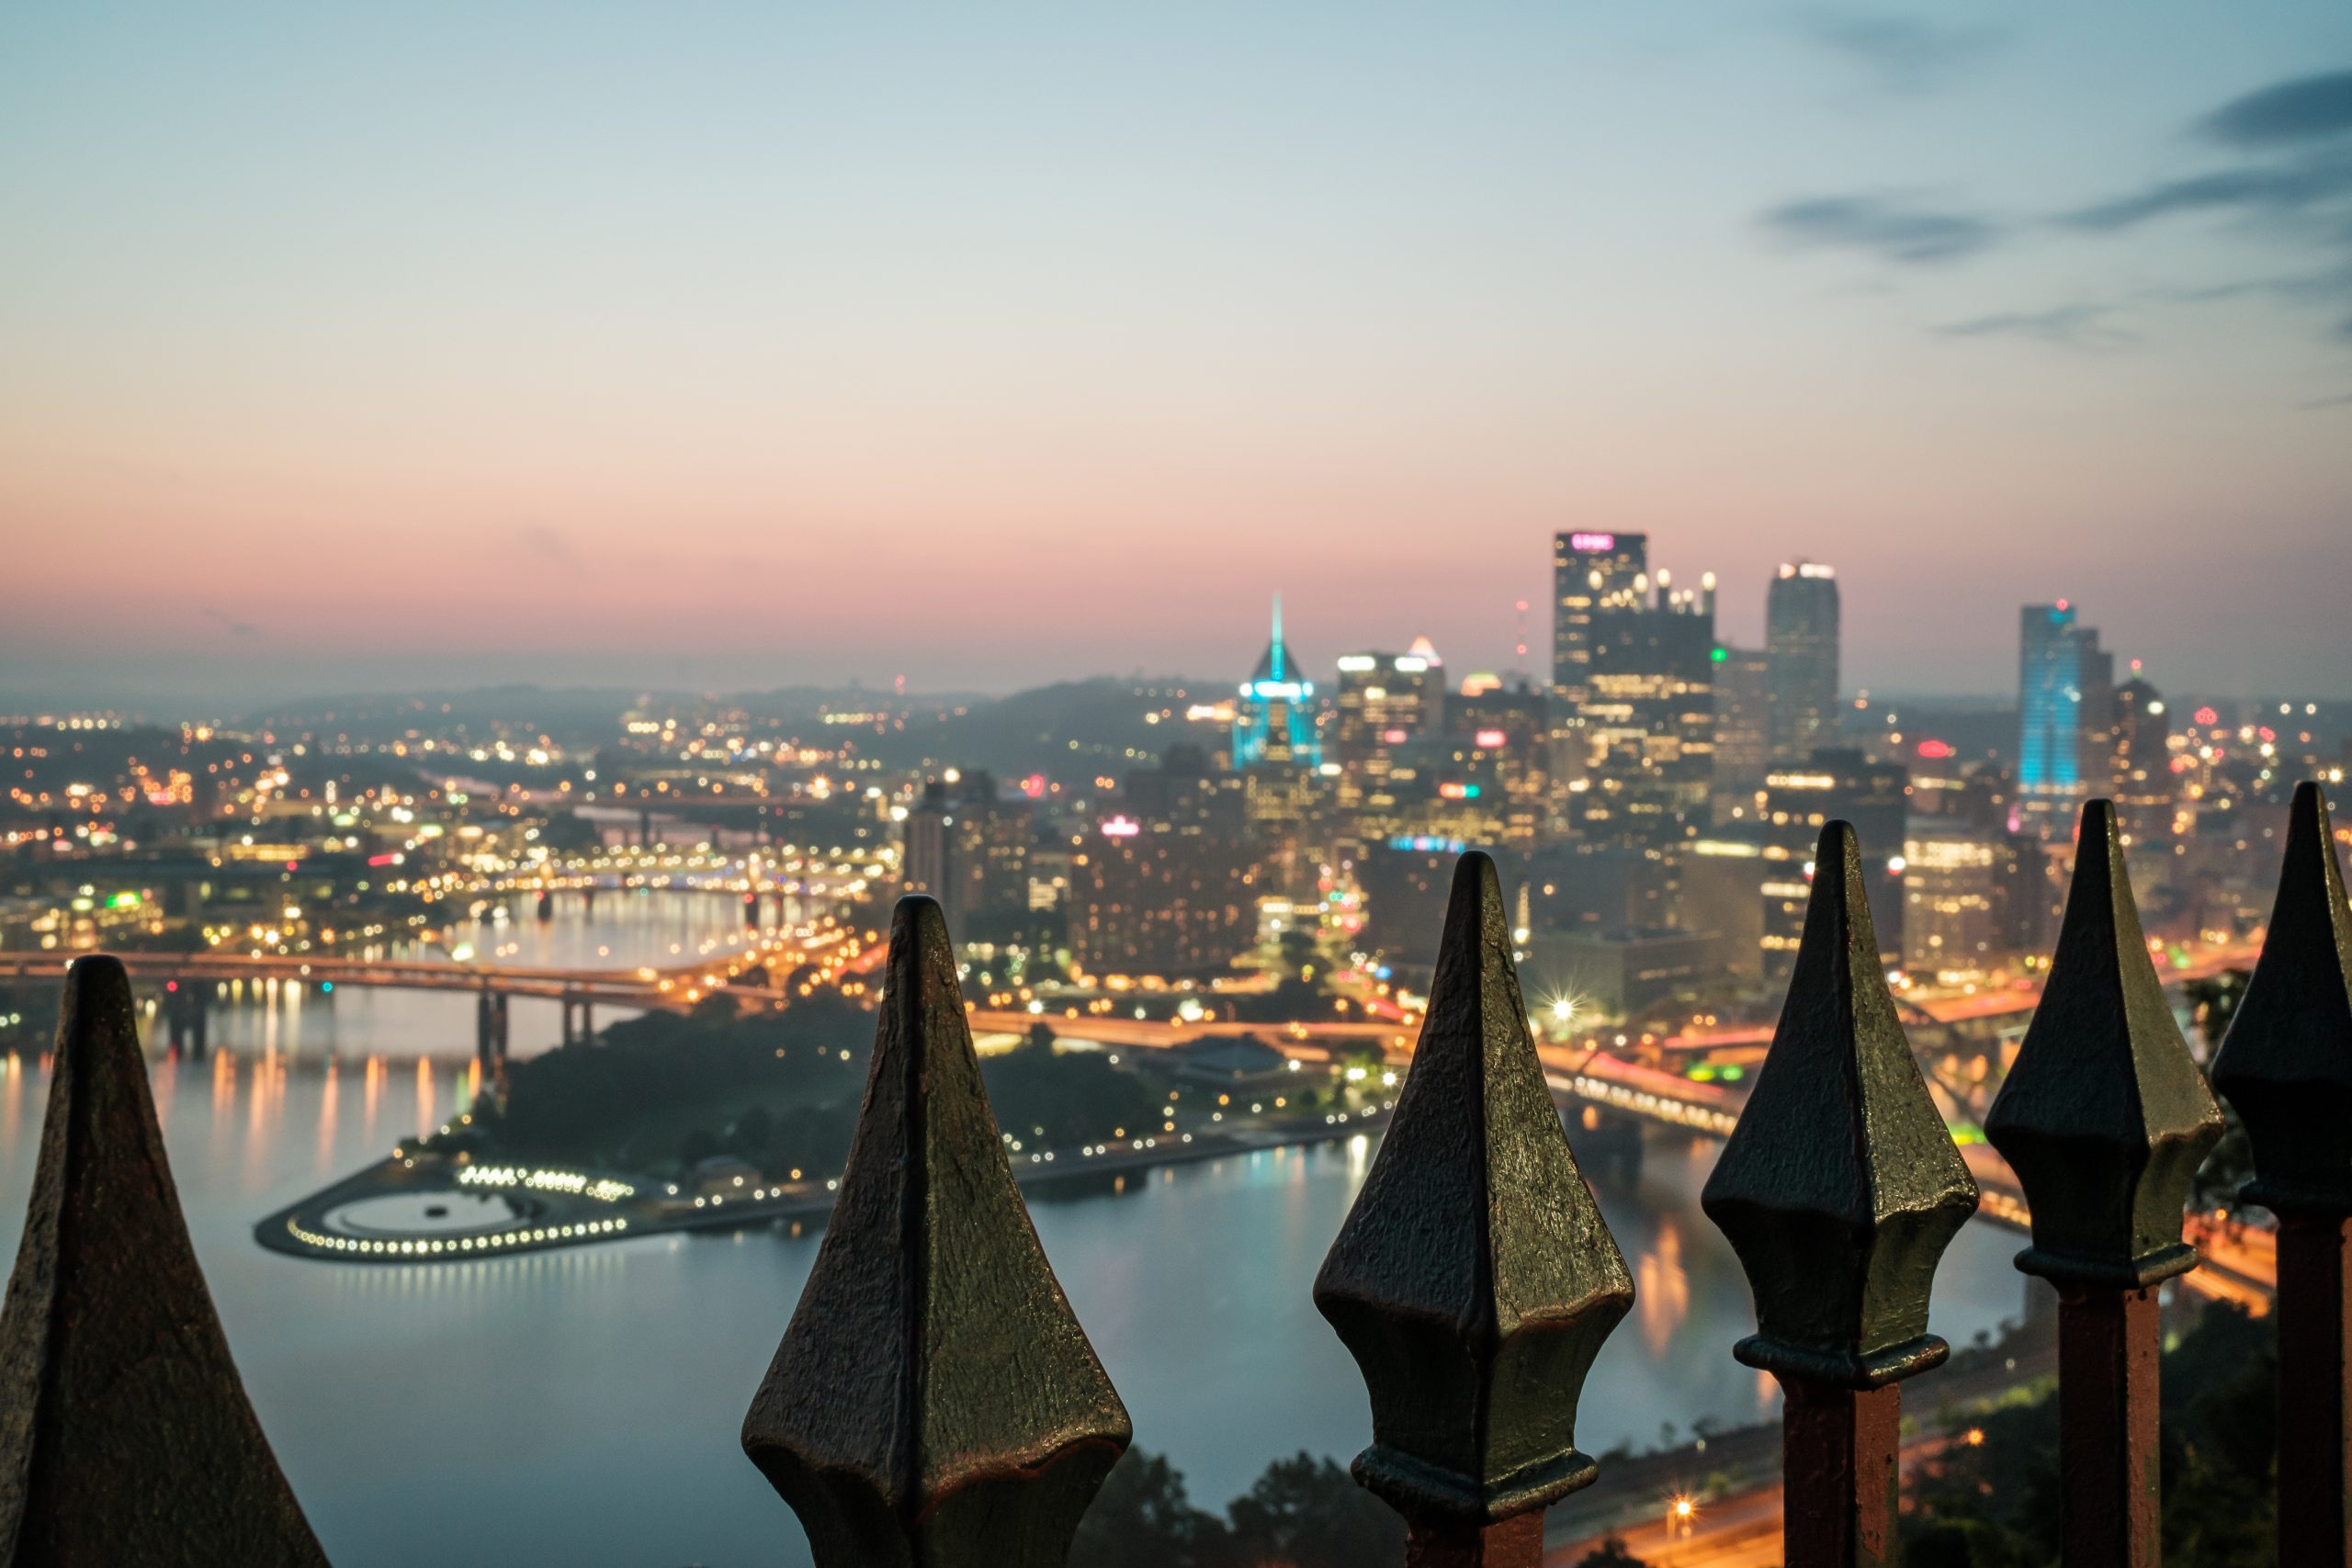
(1474, 1280)
(2287, 1064)
(2286, 1067)
(126, 1437)
(1840, 1187)
(2104, 1115)
(935, 1402)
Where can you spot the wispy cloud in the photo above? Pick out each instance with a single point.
(2303, 109)
(2276, 190)
(230, 624)
(2290, 181)
(1902, 54)
(1887, 227)
(2071, 326)
(2281, 166)
(2340, 401)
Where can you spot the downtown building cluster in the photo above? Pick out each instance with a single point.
(1655, 802)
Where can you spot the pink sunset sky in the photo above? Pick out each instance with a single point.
(741, 348)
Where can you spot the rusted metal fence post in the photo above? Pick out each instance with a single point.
(935, 1402)
(2286, 1067)
(1474, 1279)
(126, 1438)
(2105, 1117)
(1839, 1190)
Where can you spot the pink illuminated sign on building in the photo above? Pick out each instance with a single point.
(1603, 542)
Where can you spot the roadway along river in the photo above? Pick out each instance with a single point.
(582, 1406)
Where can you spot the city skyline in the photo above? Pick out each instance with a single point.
(782, 350)
(1544, 736)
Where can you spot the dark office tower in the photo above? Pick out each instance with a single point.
(1834, 784)
(1495, 756)
(2066, 712)
(1801, 637)
(1589, 571)
(1385, 701)
(1646, 725)
(2140, 774)
(1743, 719)
(969, 849)
(1168, 883)
(923, 851)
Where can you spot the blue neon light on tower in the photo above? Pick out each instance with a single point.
(2063, 682)
(1274, 720)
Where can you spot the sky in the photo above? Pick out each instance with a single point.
(736, 347)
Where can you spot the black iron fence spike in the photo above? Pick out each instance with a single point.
(1474, 1279)
(126, 1437)
(2286, 1067)
(935, 1402)
(1840, 1187)
(1839, 1190)
(2287, 1064)
(2105, 1116)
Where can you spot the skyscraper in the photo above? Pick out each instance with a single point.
(1384, 700)
(1743, 719)
(969, 849)
(1274, 720)
(1801, 638)
(1645, 724)
(2140, 774)
(1589, 571)
(2065, 713)
(1835, 783)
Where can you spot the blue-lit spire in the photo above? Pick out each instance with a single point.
(1274, 720)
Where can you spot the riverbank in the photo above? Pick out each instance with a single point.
(416, 1207)
(1731, 1480)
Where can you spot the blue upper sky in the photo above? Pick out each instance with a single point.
(740, 344)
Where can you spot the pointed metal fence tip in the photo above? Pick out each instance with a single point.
(126, 1437)
(1474, 1279)
(2103, 1116)
(1840, 1187)
(935, 1402)
(2287, 1064)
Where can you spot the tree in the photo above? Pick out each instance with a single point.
(1960, 1543)
(1612, 1553)
(1142, 1518)
(1308, 1513)
(1993, 1502)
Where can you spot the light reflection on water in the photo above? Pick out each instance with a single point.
(581, 1405)
(1661, 1287)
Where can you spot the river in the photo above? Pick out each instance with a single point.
(582, 1406)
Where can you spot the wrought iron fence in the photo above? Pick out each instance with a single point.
(935, 1403)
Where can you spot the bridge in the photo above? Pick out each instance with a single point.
(185, 977)
(2238, 1268)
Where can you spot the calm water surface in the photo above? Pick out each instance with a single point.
(582, 1406)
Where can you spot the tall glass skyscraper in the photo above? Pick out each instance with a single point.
(1590, 572)
(1801, 637)
(1274, 720)
(2065, 686)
